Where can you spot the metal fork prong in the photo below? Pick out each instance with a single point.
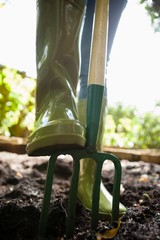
(72, 198)
(47, 196)
(96, 195)
(116, 187)
(100, 158)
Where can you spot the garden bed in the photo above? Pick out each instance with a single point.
(22, 181)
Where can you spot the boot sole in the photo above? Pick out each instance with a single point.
(62, 134)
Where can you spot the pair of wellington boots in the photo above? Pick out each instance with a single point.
(58, 123)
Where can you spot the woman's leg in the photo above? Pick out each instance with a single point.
(57, 51)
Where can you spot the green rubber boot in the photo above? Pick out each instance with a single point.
(57, 49)
(87, 171)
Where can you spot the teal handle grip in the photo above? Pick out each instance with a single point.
(94, 105)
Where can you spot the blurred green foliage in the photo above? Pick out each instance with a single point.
(16, 102)
(153, 9)
(125, 127)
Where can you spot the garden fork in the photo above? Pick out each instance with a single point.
(94, 103)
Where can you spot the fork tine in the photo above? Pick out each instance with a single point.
(72, 198)
(47, 196)
(96, 195)
(116, 187)
(100, 158)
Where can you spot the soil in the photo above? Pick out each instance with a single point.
(22, 180)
